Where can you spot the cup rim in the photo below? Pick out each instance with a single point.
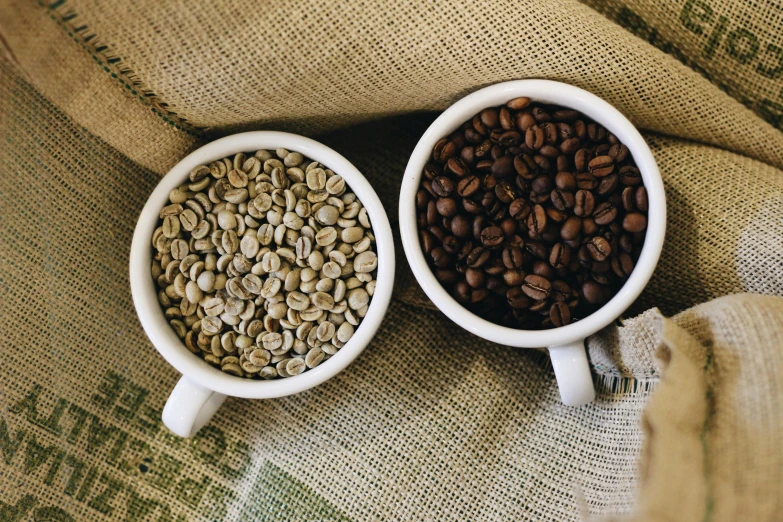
(144, 294)
(568, 96)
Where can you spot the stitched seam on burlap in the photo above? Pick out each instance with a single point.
(113, 65)
(710, 399)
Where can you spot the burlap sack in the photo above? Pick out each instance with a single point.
(97, 101)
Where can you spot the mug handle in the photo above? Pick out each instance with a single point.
(190, 407)
(572, 372)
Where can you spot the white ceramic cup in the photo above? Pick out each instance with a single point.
(566, 344)
(203, 388)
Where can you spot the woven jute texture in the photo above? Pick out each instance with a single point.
(98, 100)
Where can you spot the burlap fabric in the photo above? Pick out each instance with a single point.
(97, 101)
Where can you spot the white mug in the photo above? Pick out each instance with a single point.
(566, 344)
(203, 388)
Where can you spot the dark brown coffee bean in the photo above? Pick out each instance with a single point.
(442, 186)
(542, 307)
(478, 295)
(462, 292)
(601, 278)
(427, 241)
(565, 181)
(589, 227)
(479, 126)
(422, 198)
(634, 222)
(565, 132)
(534, 137)
(494, 267)
(457, 167)
(508, 226)
(641, 199)
(604, 213)
(510, 138)
(448, 151)
(440, 257)
(475, 277)
(513, 277)
(570, 145)
(563, 164)
(601, 150)
(555, 216)
(586, 181)
(536, 221)
(477, 257)
(467, 155)
(541, 184)
(505, 118)
(489, 182)
(571, 228)
(451, 244)
(488, 200)
(481, 150)
(446, 207)
(596, 132)
(543, 269)
(543, 163)
(599, 248)
(560, 291)
(516, 298)
(622, 265)
(504, 192)
(581, 159)
(549, 151)
(560, 314)
(461, 226)
(551, 232)
(608, 184)
(567, 115)
(489, 117)
(513, 257)
(536, 287)
(562, 200)
(432, 213)
(630, 175)
(471, 136)
(468, 186)
(550, 133)
(601, 166)
(618, 152)
(626, 242)
(492, 236)
(580, 129)
(584, 203)
(537, 249)
(467, 246)
(447, 277)
(524, 121)
(494, 137)
(592, 292)
(541, 115)
(472, 207)
(629, 199)
(519, 209)
(438, 232)
(560, 255)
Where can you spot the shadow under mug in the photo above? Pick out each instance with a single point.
(203, 388)
(566, 343)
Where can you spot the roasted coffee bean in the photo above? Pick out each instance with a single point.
(560, 291)
(536, 249)
(634, 222)
(440, 257)
(555, 216)
(513, 277)
(442, 186)
(536, 287)
(604, 213)
(534, 137)
(592, 292)
(438, 232)
(622, 265)
(599, 248)
(468, 186)
(608, 184)
(560, 255)
(427, 241)
(478, 257)
(462, 292)
(641, 199)
(505, 118)
(630, 175)
(447, 276)
(601, 166)
(544, 269)
(618, 152)
(508, 226)
(560, 314)
(446, 207)
(461, 226)
(472, 207)
(492, 236)
(513, 257)
(517, 298)
(565, 181)
(504, 192)
(581, 159)
(589, 227)
(586, 181)
(451, 244)
(542, 184)
(571, 228)
(468, 155)
(475, 277)
(629, 199)
(456, 166)
(536, 221)
(561, 199)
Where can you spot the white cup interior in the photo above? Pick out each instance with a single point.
(144, 290)
(567, 96)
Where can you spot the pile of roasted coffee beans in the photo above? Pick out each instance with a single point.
(531, 215)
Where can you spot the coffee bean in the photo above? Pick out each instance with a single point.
(513, 277)
(445, 276)
(505, 118)
(630, 175)
(562, 200)
(641, 199)
(468, 186)
(570, 145)
(571, 228)
(451, 244)
(446, 207)
(478, 257)
(489, 117)
(605, 213)
(461, 226)
(560, 255)
(560, 314)
(543, 269)
(457, 166)
(555, 216)
(442, 186)
(592, 292)
(599, 248)
(534, 137)
(608, 184)
(517, 298)
(601, 166)
(440, 257)
(634, 222)
(462, 292)
(565, 181)
(513, 257)
(622, 265)
(492, 236)
(536, 287)
(586, 181)
(475, 277)
(503, 167)
(581, 159)
(504, 192)
(618, 152)
(517, 104)
(629, 199)
(589, 227)
(494, 267)
(536, 249)
(536, 221)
